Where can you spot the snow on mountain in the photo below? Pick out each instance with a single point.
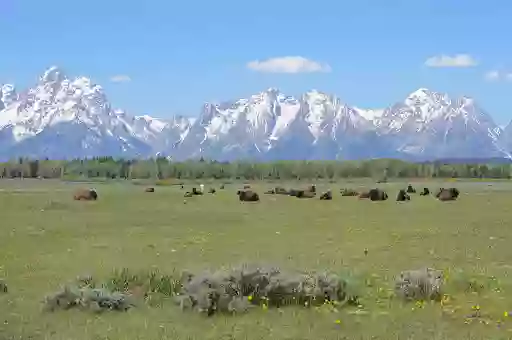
(62, 117)
(430, 125)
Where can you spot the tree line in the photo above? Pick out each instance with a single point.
(162, 168)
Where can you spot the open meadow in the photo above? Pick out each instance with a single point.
(47, 240)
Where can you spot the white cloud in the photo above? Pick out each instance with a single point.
(458, 60)
(492, 75)
(496, 75)
(120, 78)
(290, 64)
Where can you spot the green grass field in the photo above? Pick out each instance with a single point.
(46, 240)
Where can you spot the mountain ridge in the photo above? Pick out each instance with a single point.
(269, 125)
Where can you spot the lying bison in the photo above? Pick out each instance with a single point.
(326, 196)
(197, 192)
(450, 194)
(85, 195)
(307, 193)
(425, 192)
(410, 189)
(150, 190)
(403, 196)
(377, 195)
(247, 196)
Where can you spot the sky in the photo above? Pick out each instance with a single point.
(162, 57)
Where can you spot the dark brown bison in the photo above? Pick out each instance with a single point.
(85, 195)
(450, 194)
(326, 196)
(305, 194)
(212, 191)
(425, 192)
(348, 192)
(410, 189)
(301, 192)
(195, 191)
(403, 196)
(294, 192)
(222, 187)
(247, 196)
(377, 195)
(150, 190)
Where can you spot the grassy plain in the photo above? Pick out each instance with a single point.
(46, 239)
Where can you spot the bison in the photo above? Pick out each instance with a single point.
(410, 189)
(425, 192)
(188, 194)
(450, 194)
(403, 196)
(85, 195)
(326, 196)
(305, 194)
(196, 192)
(247, 186)
(247, 196)
(212, 191)
(150, 190)
(377, 195)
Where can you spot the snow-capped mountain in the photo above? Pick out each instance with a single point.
(61, 117)
(431, 125)
(69, 118)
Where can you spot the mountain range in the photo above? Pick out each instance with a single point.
(62, 118)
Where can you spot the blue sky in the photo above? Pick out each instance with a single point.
(179, 54)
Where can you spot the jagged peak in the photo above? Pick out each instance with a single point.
(272, 90)
(52, 74)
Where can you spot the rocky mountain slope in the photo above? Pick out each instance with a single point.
(62, 117)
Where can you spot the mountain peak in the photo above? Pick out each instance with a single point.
(273, 90)
(70, 117)
(52, 74)
(422, 92)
